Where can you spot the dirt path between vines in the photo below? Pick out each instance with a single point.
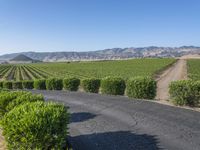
(177, 71)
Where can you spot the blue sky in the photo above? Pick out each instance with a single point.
(84, 25)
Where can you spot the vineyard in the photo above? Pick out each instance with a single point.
(194, 69)
(122, 68)
(21, 72)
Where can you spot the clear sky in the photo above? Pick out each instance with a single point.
(84, 25)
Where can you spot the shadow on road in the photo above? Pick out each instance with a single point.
(81, 116)
(121, 140)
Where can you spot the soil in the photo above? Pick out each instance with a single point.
(177, 71)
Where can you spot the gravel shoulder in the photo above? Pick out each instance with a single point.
(101, 122)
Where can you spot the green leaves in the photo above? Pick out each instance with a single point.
(30, 123)
(141, 87)
(6, 98)
(27, 97)
(54, 84)
(193, 69)
(185, 92)
(27, 84)
(7, 84)
(17, 85)
(40, 84)
(71, 83)
(91, 85)
(36, 125)
(113, 86)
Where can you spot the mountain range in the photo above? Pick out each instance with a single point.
(108, 54)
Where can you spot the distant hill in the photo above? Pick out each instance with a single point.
(109, 54)
(21, 57)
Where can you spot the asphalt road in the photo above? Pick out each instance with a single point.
(100, 122)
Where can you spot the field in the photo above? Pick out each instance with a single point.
(194, 69)
(21, 72)
(99, 69)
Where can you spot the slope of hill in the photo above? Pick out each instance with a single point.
(21, 57)
(108, 54)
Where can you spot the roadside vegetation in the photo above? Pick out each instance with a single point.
(28, 122)
(138, 87)
(193, 66)
(187, 92)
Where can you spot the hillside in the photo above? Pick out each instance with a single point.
(107, 54)
(21, 57)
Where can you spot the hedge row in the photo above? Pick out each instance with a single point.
(113, 86)
(139, 87)
(91, 85)
(185, 92)
(17, 84)
(24, 115)
(71, 84)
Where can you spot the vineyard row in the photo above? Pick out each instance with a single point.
(21, 72)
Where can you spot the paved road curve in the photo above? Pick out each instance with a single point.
(100, 122)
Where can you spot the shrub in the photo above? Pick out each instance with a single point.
(17, 85)
(113, 86)
(71, 84)
(141, 87)
(36, 125)
(1, 84)
(185, 92)
(40, 84)
(91, 85)
(54, 84)
(6, 98)
(7, 84)
(21, 99)
(27, 84)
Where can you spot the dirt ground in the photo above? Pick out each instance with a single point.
(177, 71)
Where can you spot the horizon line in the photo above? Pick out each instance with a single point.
(99, 49)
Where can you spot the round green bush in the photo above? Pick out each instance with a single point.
(141, 87)
(27, 84)
(7, 84)
(113, 86)
(71, 84)
(17, 85)
(21, 99)
(7, 97)
(40, 84)
(91, 85)
(54, 84)
(36, 125)
(185, 92)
